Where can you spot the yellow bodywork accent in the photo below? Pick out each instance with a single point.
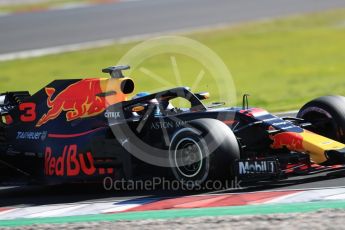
(113, 85)
(316, 146)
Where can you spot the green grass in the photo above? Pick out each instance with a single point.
(281, 63)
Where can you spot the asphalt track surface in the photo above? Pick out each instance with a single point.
(38, 30)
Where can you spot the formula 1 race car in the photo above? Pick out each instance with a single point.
(85, 130)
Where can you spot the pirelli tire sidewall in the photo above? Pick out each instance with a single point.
(219, 149)
(332, 107)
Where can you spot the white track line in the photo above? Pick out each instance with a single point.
(54, 50)
(107, 42)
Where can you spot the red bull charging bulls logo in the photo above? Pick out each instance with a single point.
(85, 98)
(289, 140)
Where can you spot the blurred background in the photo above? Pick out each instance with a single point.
(282, 52)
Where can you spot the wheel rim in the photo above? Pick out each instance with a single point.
(188, 157)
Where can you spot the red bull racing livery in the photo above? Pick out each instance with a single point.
(89, 129)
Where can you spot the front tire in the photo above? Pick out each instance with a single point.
(327, 116)
(203, 151)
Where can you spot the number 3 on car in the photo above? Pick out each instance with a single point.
(28, 112)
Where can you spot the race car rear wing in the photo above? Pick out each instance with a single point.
(2, 99)
(10, 99)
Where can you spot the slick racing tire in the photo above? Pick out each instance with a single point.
(203, 151)
(327, 116)
(3, 145)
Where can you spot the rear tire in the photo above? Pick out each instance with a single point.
(327, 115)
(3, 141)
(203, 151)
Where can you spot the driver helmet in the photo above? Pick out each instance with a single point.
(141, 94)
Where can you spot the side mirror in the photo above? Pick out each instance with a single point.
(202, 95)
